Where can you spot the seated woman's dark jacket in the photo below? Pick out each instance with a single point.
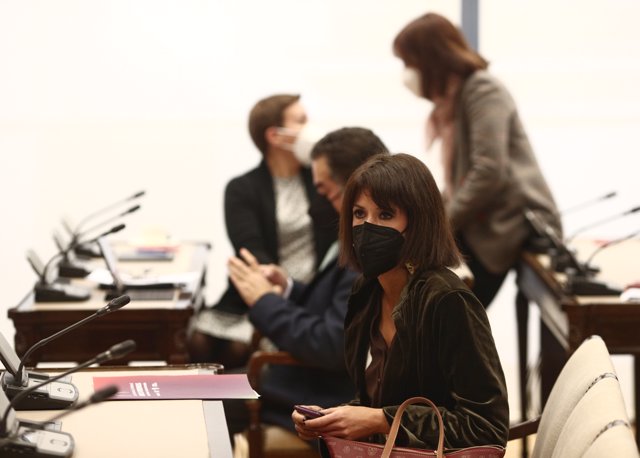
(443, 350)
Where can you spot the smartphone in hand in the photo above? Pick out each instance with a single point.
(307, 412)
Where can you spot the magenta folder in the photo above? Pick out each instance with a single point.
(146, 387)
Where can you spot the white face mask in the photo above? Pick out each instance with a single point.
(412, 79)
(303, 141)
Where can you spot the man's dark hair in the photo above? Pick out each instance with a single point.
(346, 149)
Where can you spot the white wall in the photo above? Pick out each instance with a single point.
(100, 99)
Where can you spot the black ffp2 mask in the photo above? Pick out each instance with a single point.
(377, 248)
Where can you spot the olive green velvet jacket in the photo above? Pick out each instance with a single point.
(443, 350)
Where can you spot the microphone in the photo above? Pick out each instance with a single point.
(91, 216)
(116, 351)
(47, 289)
(36, 439)
(69, 266)
(589, 203)
(112, 306)
(99, 396)
(610, 243)
(87, 248)
(20, 439)
(16, 381)
(579, 275)
(562, 257)
(75, 233)
(602, 221)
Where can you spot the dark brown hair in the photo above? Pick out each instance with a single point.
(404, 182)
(267, 113)
(438, 49)
(346, 149)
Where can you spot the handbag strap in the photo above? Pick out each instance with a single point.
(393, 433)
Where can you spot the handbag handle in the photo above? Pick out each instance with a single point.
(393, 433)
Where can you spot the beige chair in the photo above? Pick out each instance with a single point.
(584, 366)
(601, 405)
(616, 440)
(270, 441)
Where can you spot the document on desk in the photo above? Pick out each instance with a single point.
(104, 277)
(159, 387)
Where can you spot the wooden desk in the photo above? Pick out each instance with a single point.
(567, 320)
(158, 327)
(187, 428)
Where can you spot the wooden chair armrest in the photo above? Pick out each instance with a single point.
(255, 365)
(524, 429)
(260, 358)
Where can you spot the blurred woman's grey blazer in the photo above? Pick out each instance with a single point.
(495, 175)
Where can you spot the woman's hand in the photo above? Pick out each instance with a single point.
(246, 275)
(299, 422)
(349, 422)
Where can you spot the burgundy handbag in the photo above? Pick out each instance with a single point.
(342, 448)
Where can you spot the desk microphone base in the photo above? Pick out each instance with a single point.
(581, 286)
(90, 250)
(59, 292)
(69, 269)
(54, 396)
(32, 440)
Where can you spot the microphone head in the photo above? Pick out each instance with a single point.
(103, 394)
(133, 209)
(118, 302)
(115, 229)
(122, 348)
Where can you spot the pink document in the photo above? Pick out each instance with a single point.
(144, 387)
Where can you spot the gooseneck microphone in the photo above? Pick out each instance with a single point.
(99, 396)
(48, 290)
(91, 216)
(16, 379)
(19, 439)
(116, 351)
(602, 221)
(611, 243)
(76, 232)
(22, 438)
(86, 247)
(78, 235)
(68, 267)
(580, 281)
(563, 257)
(75, 243)
(588, 203)
(112, 306)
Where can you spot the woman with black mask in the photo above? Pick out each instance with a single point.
(413, 328)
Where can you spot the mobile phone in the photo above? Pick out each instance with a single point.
(307, 412)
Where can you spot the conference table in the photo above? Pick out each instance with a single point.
(158, 326)
(566, 320)
(154, 428)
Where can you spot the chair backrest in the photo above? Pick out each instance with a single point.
(616, 440)
(601, 405)
(590, 360)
